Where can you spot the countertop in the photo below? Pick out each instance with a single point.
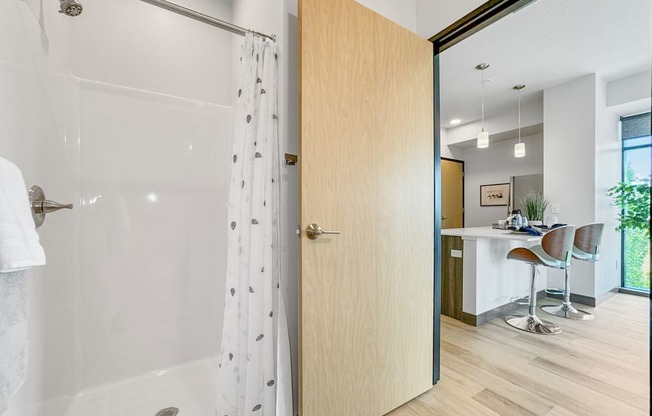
(474, 233)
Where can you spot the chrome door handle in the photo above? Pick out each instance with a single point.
(314, 231)
(443, 218)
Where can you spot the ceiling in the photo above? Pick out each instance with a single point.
(544, 44)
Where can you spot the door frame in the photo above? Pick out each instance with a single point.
(483, 16)
(463, 185)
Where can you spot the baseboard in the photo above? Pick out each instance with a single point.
(591, 301)
(582, 299)
(634, 292)
(477, 320)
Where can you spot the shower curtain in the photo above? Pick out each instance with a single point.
(254, 371)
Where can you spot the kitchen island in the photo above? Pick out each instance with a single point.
(477, 279)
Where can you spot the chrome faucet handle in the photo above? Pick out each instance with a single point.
(48, 206)
(41, 206)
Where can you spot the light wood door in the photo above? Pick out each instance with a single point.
(452, 194)
(366, 170)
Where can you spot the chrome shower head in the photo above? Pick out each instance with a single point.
(71, 8)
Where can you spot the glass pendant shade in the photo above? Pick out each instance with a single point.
(519, 150)
(483, 139)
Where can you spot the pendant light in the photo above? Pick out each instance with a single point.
(519, 148)
(483, 136)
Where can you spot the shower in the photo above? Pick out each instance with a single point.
(71, 8)
(139, 316)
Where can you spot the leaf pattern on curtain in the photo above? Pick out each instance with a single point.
(254, 370)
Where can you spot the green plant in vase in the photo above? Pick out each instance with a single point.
(534, 204)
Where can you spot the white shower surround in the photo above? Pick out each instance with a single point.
(126, 112)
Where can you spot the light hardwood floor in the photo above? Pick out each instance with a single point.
(592, 368)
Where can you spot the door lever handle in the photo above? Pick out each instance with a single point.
(314, 231)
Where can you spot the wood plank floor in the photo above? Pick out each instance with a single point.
(592, 368)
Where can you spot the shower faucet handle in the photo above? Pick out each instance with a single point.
(41, 206)
(48, 206)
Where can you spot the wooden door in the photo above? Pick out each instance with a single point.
(452, 194)
(366, 170)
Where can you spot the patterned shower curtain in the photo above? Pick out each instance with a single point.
(254, 371)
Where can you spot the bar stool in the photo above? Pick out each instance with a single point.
(586, 247)
(555, 251)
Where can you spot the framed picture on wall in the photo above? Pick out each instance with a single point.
(494, 195)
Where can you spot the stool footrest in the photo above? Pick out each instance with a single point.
(555, 291)
(521, 300)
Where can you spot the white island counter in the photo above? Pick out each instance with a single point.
(489, 280)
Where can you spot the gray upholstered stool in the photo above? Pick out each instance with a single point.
(555, 251)
(587, 248)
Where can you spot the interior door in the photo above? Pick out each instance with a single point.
(452, 194)
(367, 171)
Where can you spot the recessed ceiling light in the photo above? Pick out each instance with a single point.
(456, 121)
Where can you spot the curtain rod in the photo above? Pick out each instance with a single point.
(184, 11)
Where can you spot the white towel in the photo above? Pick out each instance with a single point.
(19, 242)
(13, 335)
(19, 249)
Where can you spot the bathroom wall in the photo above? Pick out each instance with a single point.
(124, 111)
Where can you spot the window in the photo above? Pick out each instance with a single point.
(637, 166)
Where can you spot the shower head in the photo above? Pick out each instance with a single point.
(71, 8)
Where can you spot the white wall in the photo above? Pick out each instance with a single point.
(581, 160)
(496, 164)
(450, 152)
(633, 88)
(608, 167)
(569, 165)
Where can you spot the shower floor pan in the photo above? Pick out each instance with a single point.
(190, 388)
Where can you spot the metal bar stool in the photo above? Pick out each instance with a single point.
(555, 251)
(585, 247)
